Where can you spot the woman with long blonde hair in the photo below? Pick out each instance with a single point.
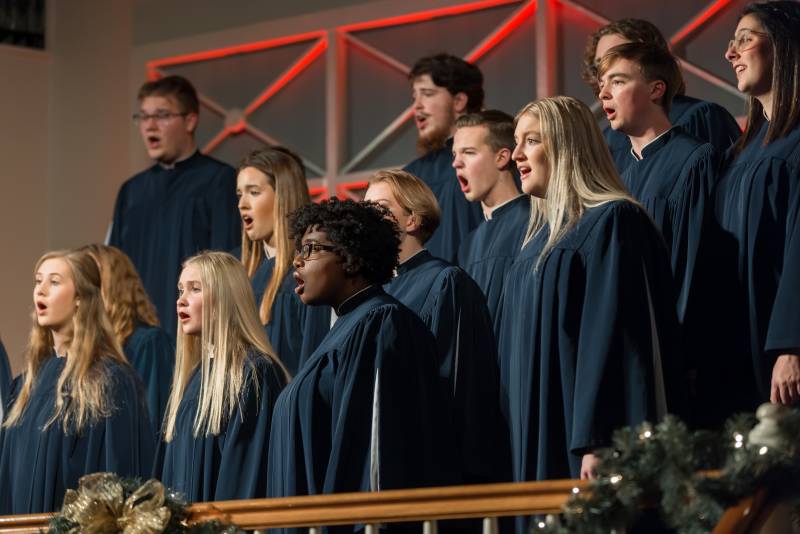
(78, 406)
(588, 314)
(217, 424)
(271, 184)
(147, 346)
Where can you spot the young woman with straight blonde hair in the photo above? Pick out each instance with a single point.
(78, 407)
(133, 317)
(588, 314)
(271, 184)
(226, 380)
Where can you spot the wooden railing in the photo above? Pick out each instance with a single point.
(422, 505)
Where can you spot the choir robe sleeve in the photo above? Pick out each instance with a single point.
(365, 413)
(626, 360)
(151, 352)
(712, 123)
(783, 331)
(459, 319)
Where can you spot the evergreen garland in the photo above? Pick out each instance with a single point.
(662, 467)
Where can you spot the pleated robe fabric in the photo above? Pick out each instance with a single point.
(586, 339)
(366, 412)
(489, 250)
(295, 330)
(757, 208)
(151, 352)
(453, 308)
(459, 216)
(163, 216)
(707, 121)
(5, 382)
(233, 463)
(38, 464)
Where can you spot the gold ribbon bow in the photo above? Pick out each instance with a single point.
(97, 507)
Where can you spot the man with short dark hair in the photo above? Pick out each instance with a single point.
(482, 147)
(184, 203)
(707, 121)
(444, 87)
(671, 173)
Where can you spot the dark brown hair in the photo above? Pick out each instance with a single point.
(177, 87)
(455, 75)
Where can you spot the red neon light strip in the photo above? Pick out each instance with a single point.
(701, 19)
(214, 143)
(424, 15)
(233, 50)
(300, 65)
(503, 32)
(318, 193)
(343, 189)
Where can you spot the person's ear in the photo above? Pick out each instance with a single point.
(657, 90)
(502, 158)
(413, 223)
(191, 122)
(460, 101)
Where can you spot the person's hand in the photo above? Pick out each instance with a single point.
(589, 465)
(785, 387)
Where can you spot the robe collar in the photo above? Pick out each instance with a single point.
(654, 145)
(503, 207)
(414, 261)
(183, 163)
(352, 302)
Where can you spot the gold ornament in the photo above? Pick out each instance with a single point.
(98, 508)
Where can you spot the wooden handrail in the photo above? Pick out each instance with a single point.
(452, 502)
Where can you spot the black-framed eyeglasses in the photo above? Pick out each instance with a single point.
(744, 40)
(307, 249)
(161, 117)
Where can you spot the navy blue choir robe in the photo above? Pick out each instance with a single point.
(488, 252)
(706, 121)
(586, 339)
(232, 464)
(163, 216)
(5, 382)
(459, 216)
(673, 182)
(151, 352)
(295, 330)
(365, 413)
(453, 307)
(38, 464)
(757, 208)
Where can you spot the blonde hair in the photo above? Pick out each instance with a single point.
(84, 375)
(414, 196)
(580, 169)
(124, 295)
(284, 172)
(230, 331)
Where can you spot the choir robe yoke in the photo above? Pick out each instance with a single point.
(162, 216)
(459, 216)
(673, 182)
(757, 207)
(489, 250)
(151, 352)
(704, 120)
(38, 464)
(295, 330)
(232, 464)
(365, 412)
(584, 337)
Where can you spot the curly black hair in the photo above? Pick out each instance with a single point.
(364, 235)
(454, 74)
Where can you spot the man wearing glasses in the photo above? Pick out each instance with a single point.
(184, 203)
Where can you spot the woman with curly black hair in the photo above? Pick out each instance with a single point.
(365, 412)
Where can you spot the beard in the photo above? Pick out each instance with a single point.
(437, 138)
